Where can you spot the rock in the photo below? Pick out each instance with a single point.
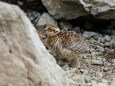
(100, 48)
(103, 9)
(97, 62)
(102, 84)
(112, 42)
(34, 16)
(20, 3)
(99, 74)
(107, 14)
(93, 83)
(101, 40)
(97, 79)
(113, 36)
(88, 34)
(97, 35)
(113, 61)
(113, 32)
(92, 40)
(81, 56)
(64, 9)
(113, 82)
(24, 59)
(79, 79)
(86, 56)
(107, 44)
(93, 54)
(65, 67)
(71, 9)
(82, 70)
(107, 38)
(87, 79)
(107, 69)
(45, 20)
(86, 72)
(104, 81)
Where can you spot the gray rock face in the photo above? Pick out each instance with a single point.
(102, 9)
(24, 59)
(88, 34)
(61, 9)
(71, 9)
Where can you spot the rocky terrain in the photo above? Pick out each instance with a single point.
(97, 68)
(93, 19)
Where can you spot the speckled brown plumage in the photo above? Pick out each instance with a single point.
(67, 45)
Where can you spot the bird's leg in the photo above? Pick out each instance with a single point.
(75, 62)
(64, 61)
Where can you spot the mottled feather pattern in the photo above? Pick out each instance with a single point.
(67, 45)
(74, 41)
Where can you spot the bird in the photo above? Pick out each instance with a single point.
(67, 45)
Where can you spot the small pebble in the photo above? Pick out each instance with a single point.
(88, 34)
(96, 36)
(97, 62)
(107, 38)
(113, 61)
(100, 48)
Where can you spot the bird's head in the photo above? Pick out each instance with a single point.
(52, 30)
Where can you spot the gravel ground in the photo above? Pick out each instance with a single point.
(98, 67)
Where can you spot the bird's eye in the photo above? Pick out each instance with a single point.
(56, 31)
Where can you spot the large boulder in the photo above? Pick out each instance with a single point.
(101, 9)
(71, 9)
(24, 61)
(60, 9)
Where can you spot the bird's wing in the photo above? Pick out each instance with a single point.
(75, 42)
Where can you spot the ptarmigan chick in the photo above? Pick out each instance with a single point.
(67, 45)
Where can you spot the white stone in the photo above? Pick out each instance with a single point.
(97, 62)
(24, 61)
(46, 19)
(113, 61)
(107, 38)
(102, 84)
(88, 34)
(100, 48)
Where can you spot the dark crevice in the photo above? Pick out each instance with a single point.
(33, 5)
(9, 1)
(88, 23)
